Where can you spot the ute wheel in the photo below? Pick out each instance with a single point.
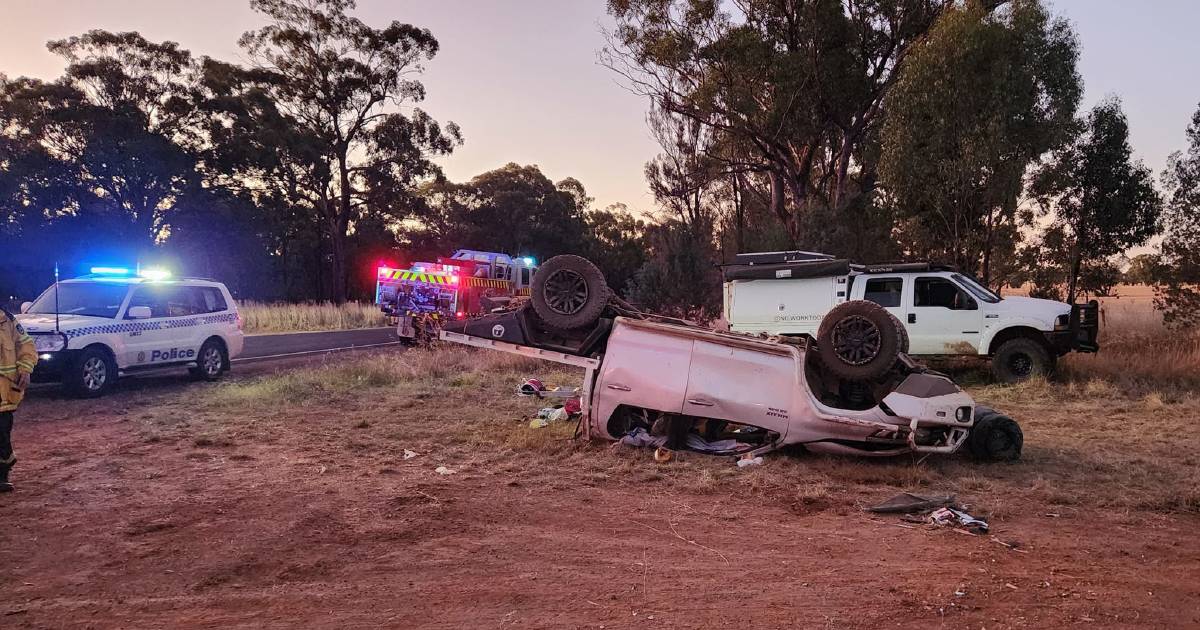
(859, 340)
(1020, 359)
(93, 373)
(569, 292)
(210, 361)
(995, 437)
(903, 337)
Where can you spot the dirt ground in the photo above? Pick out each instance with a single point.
(287, 500)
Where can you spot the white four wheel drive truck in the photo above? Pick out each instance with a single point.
(944, 311)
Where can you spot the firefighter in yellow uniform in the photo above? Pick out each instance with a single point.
(17, 358)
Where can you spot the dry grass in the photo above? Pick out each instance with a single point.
(1090, 445)
(1137, 353)
(279, 317)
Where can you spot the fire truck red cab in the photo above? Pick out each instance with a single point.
(467, 283)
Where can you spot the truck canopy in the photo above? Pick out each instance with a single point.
(786, 270)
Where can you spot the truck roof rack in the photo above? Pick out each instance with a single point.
(902, 267)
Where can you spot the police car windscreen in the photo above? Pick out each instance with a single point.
(96, 299)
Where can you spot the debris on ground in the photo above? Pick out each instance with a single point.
(570, 410)
(409, 454)
(535, 387)
(641, 438)
(939, 511)
(442, 470)
(750, 461)
(945, 516)
(907, 503)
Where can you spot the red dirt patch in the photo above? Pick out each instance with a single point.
(314, 528)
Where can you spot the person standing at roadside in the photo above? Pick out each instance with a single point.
(17, 359)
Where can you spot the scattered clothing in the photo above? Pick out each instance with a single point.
(640, 437)
(950, 516)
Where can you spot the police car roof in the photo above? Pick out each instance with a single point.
(115, 279)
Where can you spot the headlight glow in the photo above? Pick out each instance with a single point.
(49, 343)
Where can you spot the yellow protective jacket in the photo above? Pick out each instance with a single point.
(17, 355)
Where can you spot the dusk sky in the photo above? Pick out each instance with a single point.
(522, 80)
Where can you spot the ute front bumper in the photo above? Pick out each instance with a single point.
(1083, 328)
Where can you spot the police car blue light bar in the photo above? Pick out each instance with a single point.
(111, 271)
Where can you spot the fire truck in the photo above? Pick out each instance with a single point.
(468, 283)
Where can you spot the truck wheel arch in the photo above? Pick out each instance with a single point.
(1013, 332)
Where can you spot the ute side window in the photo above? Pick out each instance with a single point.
(524, 276)
(940, 292)
(884, 291)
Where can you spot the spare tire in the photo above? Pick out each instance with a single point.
(995, 436)
(569, 292)
(859, 340)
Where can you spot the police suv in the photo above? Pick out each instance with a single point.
(91, 330)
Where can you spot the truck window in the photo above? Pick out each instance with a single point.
(884, 291)
(524, 276)
(941, 292)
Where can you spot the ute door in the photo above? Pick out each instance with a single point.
(943, 318)
(741, 385)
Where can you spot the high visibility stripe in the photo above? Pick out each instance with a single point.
(24, 339)
(25, 364)
(417, 276)
(6, 369)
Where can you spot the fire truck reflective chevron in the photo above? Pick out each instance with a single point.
(416, 276)
(484, 282)
(433, 278)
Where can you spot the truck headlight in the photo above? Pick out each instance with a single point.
(50, 343)
(962, 414)
(1062, 322)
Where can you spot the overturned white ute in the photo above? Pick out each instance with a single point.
(851, 390)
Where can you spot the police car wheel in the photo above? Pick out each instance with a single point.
(93, 374)
(210, 361)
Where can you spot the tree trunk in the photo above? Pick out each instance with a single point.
(739, 215)
(337, 246)
(1076, 263)
(987, 250)
(340, 226)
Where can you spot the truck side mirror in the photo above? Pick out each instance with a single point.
(25, 306)
(139, 312)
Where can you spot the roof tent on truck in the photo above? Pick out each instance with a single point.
(774, 258)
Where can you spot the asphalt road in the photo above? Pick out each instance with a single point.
(269, 347)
